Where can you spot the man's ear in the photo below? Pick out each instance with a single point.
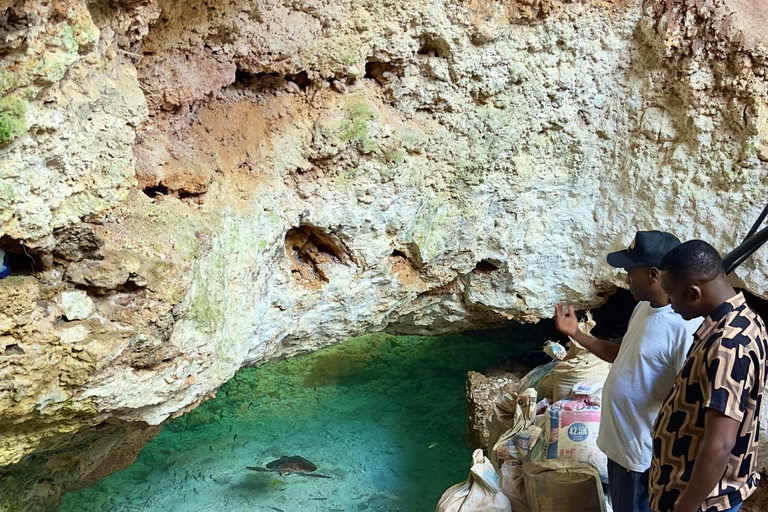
(693, 293)
(654, 274)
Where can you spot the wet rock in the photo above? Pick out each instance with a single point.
(98, 452)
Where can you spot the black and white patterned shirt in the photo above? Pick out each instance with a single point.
(725, 370)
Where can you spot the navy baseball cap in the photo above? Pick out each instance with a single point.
(646, 250)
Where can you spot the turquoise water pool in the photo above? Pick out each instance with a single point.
(383, 416)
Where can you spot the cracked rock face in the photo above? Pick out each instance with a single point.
(188, 187)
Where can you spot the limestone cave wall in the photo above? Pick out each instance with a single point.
(189, 187)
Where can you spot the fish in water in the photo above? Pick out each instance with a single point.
(293, 465)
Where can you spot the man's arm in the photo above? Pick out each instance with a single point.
(715, 448)
(567, 323)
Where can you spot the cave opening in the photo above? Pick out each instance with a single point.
(433, 46)
(24, 260)
(156, 190)
(311, 250)
(382, 71)
(486, 266)
(382, 416)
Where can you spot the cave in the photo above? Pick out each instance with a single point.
(382, 416)
(218, 212)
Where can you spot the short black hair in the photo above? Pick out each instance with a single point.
(693, 261)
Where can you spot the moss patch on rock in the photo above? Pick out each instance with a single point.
(13, 112)
(50, 53)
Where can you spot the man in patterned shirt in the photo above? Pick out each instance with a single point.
(705, 437)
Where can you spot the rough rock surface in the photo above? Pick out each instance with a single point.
(236, 181)
(69, 105)
(482, 392)
(95, 453)
(759, 500)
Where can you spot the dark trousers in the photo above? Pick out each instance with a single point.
(628, 489)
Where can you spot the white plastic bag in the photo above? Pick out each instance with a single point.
(555, 350)
(478, 493)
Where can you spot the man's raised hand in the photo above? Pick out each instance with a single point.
(565, 320)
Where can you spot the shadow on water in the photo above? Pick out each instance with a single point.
(383, 416)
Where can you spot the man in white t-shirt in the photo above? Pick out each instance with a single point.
(644, 367)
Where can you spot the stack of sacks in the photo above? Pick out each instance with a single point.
(579, 365)
(547, 457)
(512, 448)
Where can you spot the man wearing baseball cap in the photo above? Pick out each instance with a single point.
(644, 367)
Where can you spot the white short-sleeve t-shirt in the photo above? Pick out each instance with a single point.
(652, 353)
